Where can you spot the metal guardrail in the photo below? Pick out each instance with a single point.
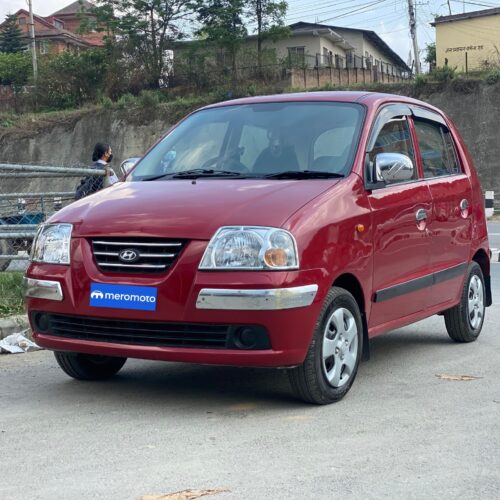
(37, 170)
(21, 210)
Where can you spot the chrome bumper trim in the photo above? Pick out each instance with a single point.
(260, 300)
(42, 289)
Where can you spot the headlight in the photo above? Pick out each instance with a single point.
(51, 244)
(237, 247)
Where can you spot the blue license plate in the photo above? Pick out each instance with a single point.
(123, 296)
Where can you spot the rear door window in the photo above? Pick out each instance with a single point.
(436, 149)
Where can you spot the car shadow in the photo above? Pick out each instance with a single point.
(149, 384)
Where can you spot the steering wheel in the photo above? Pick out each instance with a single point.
(226, 163)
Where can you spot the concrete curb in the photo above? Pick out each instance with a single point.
(14, 324)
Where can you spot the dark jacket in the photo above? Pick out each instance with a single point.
(90, 184)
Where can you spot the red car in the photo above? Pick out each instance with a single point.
(279, 231)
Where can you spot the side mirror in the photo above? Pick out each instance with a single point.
(393, 167)
(126, 165)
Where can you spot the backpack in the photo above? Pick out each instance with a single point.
(88, 185)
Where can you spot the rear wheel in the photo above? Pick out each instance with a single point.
(465, 321)
(333, 357)
(88, 366)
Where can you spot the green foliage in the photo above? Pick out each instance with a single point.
(492, 76)
(6, 123)
(269, 19)
(146, 31)
(430, 56)
(69, 80)
(10, 36)
(15, 68)
(443, 74)
(222, 24)
(126, 101)
(105, 102)
(11, 293)
(421, 80)
(150, 98)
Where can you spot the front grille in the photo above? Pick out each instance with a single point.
(150, 333)
(153, 255)
(146, 333)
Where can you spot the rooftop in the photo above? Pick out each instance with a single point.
(74, 8)
(466, 15)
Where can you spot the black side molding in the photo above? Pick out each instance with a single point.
(423, 282)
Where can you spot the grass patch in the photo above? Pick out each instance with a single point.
(11, 293)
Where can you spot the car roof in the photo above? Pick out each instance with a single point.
(370, 99)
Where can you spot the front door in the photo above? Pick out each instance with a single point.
(401, 214)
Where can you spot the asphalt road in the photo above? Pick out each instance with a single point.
(158, 428)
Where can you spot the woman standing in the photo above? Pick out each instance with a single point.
(101, 157)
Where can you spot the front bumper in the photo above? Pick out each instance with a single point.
(256, 300)
(285, 304)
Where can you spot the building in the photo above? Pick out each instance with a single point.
(468, 41)
(60, 30)
(326, 45)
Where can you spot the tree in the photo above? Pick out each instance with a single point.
(430, 56)
(222, 23)
(11, 36)
(15, 68)
(146, 29)
(269, 17)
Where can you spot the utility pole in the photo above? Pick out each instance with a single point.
(33, 43)
(413, 32)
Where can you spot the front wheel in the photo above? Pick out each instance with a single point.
(465, 321)
(333, 357)
(88, 366)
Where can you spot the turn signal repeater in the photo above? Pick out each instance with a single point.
(360, 228)
(276, 257)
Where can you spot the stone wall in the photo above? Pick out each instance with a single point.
(319, 77)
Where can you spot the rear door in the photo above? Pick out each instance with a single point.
(401, 213)
(451, 192)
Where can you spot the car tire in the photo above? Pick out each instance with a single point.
(88, 366)
(332, 361)
(465, 321)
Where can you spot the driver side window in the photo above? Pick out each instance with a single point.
(395, 137)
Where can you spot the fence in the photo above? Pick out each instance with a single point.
(297, 70)
(29, 194)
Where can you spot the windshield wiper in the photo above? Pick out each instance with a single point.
(203, 172)
(303, 174)
(194, 174)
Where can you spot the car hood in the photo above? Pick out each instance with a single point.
(188, 209)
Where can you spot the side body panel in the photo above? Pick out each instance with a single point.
(401, 251)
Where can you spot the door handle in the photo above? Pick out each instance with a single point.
(420, 215)
(464, 204)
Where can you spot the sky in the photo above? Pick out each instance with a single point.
(388, 18)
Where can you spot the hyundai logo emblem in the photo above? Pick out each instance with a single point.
(129, 255)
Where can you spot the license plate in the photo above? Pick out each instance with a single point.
(123, 296)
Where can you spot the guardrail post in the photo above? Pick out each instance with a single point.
(489, 201)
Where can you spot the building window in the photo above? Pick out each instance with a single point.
(43, 47)
(58, 24)
(296, 55)
(22, 21)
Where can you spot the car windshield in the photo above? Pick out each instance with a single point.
(258, 140)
